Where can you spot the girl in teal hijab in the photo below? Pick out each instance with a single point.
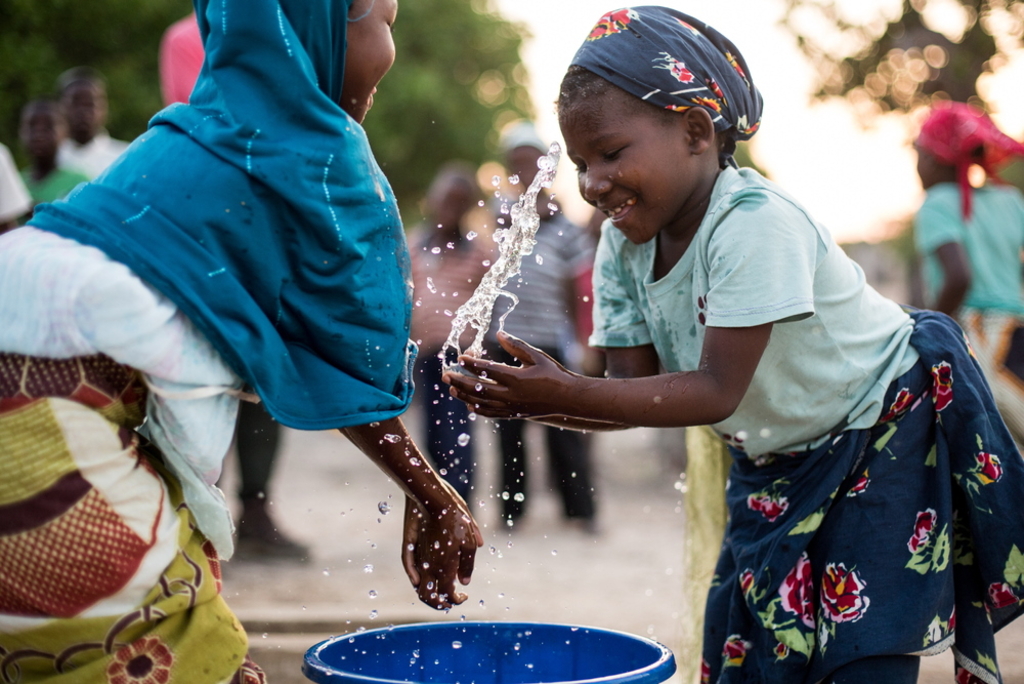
(259, 211)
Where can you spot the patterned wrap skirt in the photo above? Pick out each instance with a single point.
(104, 577)
(905, 538)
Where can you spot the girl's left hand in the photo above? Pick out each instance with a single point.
(536, 388)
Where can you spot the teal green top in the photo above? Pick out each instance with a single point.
(56, 185)
(992, 238)
(259, 210)
(757, 258)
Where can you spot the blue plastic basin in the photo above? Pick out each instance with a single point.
(488, 653)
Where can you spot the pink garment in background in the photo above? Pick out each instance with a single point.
(181, 58)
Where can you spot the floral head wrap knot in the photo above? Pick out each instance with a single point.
(675, 61)
(959, 135)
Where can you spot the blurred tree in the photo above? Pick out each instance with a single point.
(457, 79)
(906, 51)
(39, 39)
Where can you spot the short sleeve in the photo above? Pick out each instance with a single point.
(936, 225)
(618, 320)
(14, 197)
(761, 260)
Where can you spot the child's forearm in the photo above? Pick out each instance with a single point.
(388, 444)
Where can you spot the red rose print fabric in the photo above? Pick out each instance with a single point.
(905, 538)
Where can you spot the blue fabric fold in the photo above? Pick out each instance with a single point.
(260, 211)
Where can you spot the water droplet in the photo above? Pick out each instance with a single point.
(486, 262)
(513, 179)
(394, 439)
(554, 552)
(430, 285)
(539, 259)
(765, 433)
(472, 416)
(368, 568)
(504, 496)
(478, 386)
(384, 507)
(552, 207)
(435, 250)
(516, 646)
(481, 603)
(373, 593)
(327, 573)
(456, 644)
(414, 461)
(463, 439)
(410, 547)
(416, 653)
(471, 234)
(496, 181)
(373, 614)
(520, 497)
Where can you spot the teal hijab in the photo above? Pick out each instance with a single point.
(258, 208)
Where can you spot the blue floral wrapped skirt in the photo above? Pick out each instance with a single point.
(906, 538)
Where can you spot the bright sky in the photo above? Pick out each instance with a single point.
(855, 181)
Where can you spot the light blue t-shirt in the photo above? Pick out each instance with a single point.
(992, 237)
(757, 258)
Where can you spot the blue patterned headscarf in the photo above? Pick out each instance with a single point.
(260, 211)
(675, 61)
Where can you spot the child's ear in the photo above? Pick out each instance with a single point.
(699, 129)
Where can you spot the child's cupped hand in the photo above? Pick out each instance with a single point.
(538, 387)
(439, 549)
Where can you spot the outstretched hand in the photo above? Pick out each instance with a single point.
(437, 549)
(536, 388)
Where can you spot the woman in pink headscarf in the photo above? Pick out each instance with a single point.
(971, 240)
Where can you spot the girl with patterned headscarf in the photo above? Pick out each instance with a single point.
(874, 490)
(247, 239)
(971, 241)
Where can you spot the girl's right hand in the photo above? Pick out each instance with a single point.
(438, 548)
(536, 388)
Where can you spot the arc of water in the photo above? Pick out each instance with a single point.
(514, 243)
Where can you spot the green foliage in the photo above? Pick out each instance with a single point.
(457, 78)
(39, 39)
(900, 62)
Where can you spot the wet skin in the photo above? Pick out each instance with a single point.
(653, 176)
(440, 537)
(369, 55)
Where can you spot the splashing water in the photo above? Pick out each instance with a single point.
(514, 243)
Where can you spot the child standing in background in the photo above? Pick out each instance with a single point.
(874, 496)
(971, 240)
(447, 265)
(545, 315)
(43, 129)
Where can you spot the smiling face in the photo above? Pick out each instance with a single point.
(369, 55)
(639, 165)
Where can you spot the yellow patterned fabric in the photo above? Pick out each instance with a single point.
(707, 469)
(71, 550)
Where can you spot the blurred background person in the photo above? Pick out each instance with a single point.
(43, 129)
(257, 435)
(88, 149)
(971, 241)
(546, 317)
(181, 58)
(447, 265)
(14, 198)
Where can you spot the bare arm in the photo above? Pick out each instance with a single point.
(956, 277)
(440, 537)
(637, 397)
